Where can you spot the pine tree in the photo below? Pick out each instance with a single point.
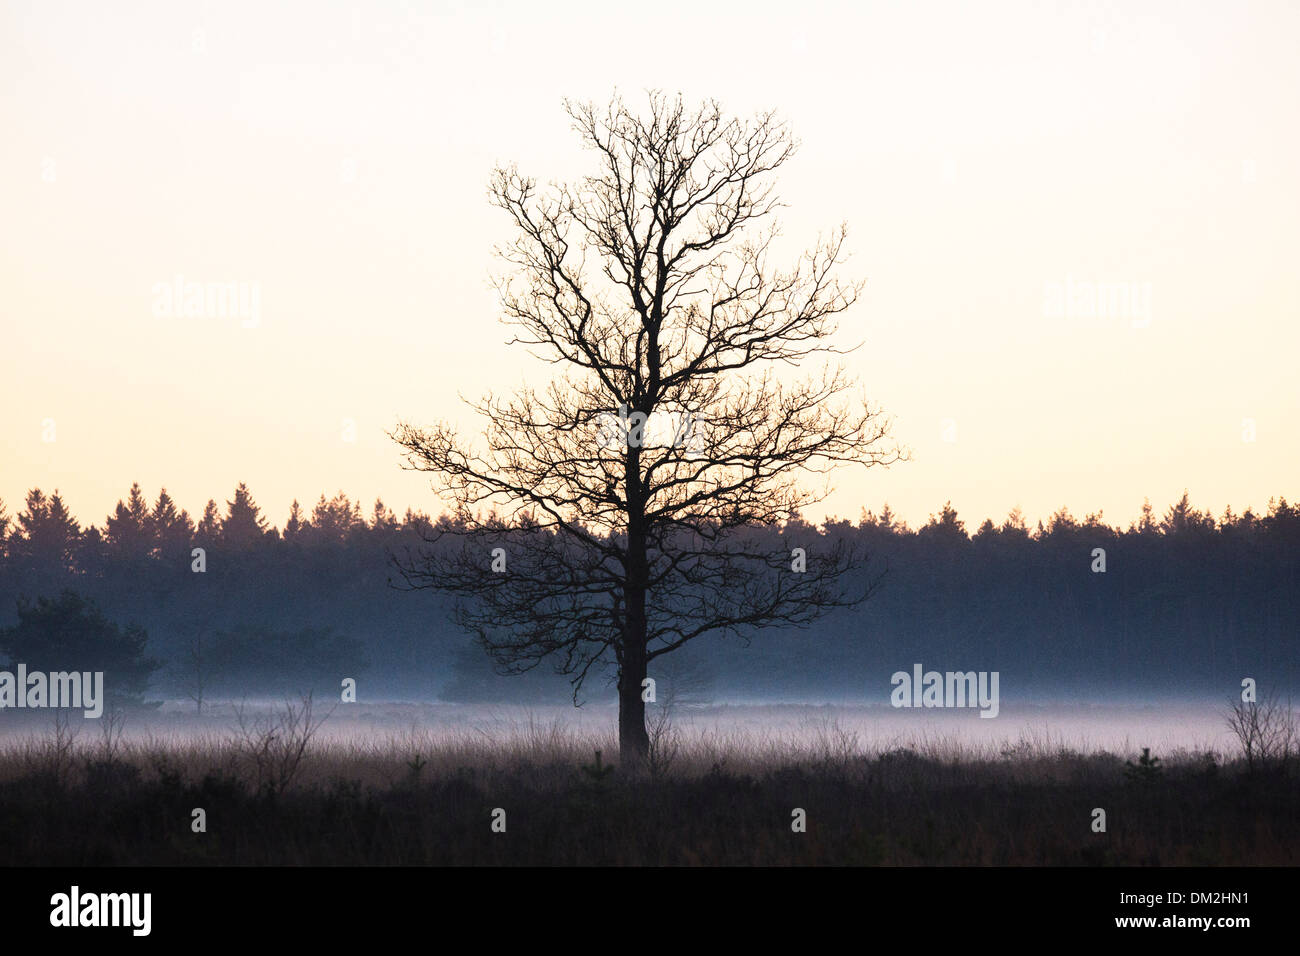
(886, 520)
(1182, 518)
(32, 518)
(1015, 523)
(1062, 522)
(1147, 523)
(1228, 520)
(1096, 521)
(209, 530)
(129, 529)
(1282, 518)
(335, 520)
(293, 527)
(173, 531)
(243, 525)
(91, 556)
(946, 523)
(49, 534)
(384, 520)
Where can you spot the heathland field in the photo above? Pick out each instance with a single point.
(298, 783)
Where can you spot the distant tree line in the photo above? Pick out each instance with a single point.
(1187, 602)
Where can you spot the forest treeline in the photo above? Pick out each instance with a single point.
(1187, 603)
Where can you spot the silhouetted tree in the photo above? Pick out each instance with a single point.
(945, 525)
(1061, 525)
(70, 633)
(1014, 525)
(46, 534)
(128, 531)
(637, 482)
(1282, 519)
(173, 530)
(208, 531)
(91, 557)
(336, 520)
(1147, 523)
(293, 527)
(199, 674)
(383, 520)
(243, 525)
(1182, 518)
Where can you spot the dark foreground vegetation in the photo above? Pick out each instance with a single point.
(267, 803)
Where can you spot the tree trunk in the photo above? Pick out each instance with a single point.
(633, 741)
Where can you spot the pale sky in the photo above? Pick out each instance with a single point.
(993, 162)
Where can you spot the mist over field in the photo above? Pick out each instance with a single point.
(1124, 729)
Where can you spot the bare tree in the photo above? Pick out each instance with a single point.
(111, 727)
(276, 743)
(681, 685)
(197, 672)
(1266, 730)
(59, 748)
(627, 497)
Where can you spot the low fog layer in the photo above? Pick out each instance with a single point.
(1117, 728)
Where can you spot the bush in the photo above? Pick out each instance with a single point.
(1267, 732)
(70, 633)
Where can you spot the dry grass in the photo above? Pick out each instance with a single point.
(286, 789)
(288, 747)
